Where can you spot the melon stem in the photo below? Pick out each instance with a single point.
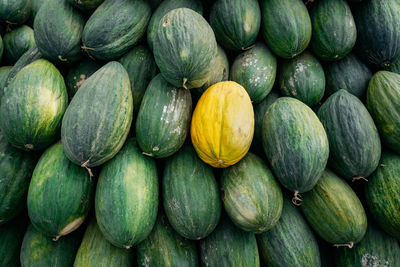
(84, 165)
(359, 178)
(296, 200)
(349, 245)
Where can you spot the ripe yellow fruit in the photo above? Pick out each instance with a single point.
(223, 124)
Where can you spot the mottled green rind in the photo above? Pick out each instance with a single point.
(98, 119)
(252, 197)
(15, 11)
(164, 7)
(163, 120)
(78, 74)
(349, 73)
(382, 194)
(286, 26)
(60, 193)
(334, 211)
(38, 250)
(184, 46)
(190, 195)
(141, 68)
(60, 40)
(96, 251)
(376, 249)
(229, 246)
(295, 144)
(303, 78)
(334, 31)
(255, 70)
(395, 66)
(236, 23)
(11, 236)
(85, 5)
(17, 42)
(115, 27)
(4, 72)
(33, 105)
(290, 242)
(36, 4)
(164, 247)
(354, 144)
(378, 27)
(126, 200)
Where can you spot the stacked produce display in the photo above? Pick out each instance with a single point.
(232, 133)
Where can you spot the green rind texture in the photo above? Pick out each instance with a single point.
(33, 105)
(164, 7)
(86, 5)
(96, 251)
(383, 102)
(141, 68)
(295, 144)
(163, 120)
(164, 247)
(394, 66)
(35, 5)
(126, 200)
(334, 211)
(236, 23)
(303, 78)
(15, 11)
(229, 246)
(334, 31)
(4, 72)
(98, 119)
(252, 197)
(17, 42)
(184, 47)
(38, 250)
(349, 73)
(286, 26)
(378, 25)
(376, 249)
(255, 70)
(59, 195)
(115, 27)
(290, 242)
(382, 194)
(191, 196)
(354, 144)
(60, 40)
(11, 236)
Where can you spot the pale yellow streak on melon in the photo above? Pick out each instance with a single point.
(72, 226)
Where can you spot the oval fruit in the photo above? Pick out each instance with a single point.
(17, 42)
(15, 11)
(78, 74)
(221, 133)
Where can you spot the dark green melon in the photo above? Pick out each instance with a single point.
(290, 242)
(295, 143)
(163, 120)
(39, 250)
(60, 40)
(303, 78)
(33, 105)
(17, 42)
(164, 7)
(127, 197)
(94, 133)
(59, 195)
(376, 249)
(190, 195)
(15, 11)
(252, 197)
(164, 247)
(378, 27)
(184, 46)
(349, 73)
(354, 144)
(334, 211)
(286, 26)
(141, 68)
(334, 32)
(11, 236)
(255, 70)
(382, 194)
(96, 251)
(36, 4)
(229, 246)
(86, 5)
(78, 74)
(115, 27)
(4, 72)
(236, 23)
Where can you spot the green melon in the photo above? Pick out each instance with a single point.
(4, 72)
(11, 236)
(15, 11)
(255, 70)
(94, 133)
(17, 42)
(86, 5)
(395, 66)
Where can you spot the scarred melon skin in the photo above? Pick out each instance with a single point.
(15, 11)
